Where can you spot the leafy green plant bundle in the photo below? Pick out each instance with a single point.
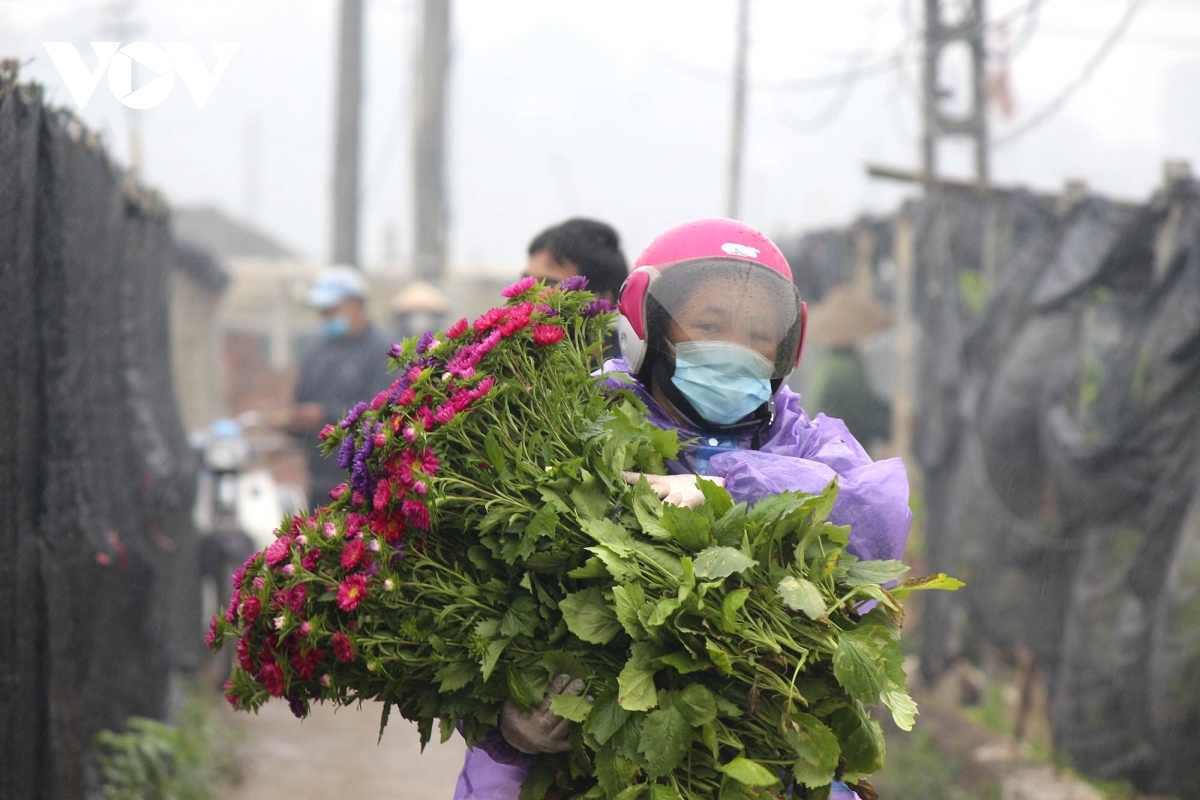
(486, 541)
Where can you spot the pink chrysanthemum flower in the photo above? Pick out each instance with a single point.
(251, 608)
(417, 513)
(342, 647)
(324, 434)
(457, 329)
(520, 287)
(351, 592)
(311, 558)
(406, 397)
(210, 638)
(271, 677)
(279, 550)
(547, 334)
(351, 556)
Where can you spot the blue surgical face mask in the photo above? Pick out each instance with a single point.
(335, 327)
(723, 381)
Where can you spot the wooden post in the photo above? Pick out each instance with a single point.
(904, 254)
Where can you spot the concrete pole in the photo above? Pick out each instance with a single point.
(344, 248)
(733, 186)
(429, 150)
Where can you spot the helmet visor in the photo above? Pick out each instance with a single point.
(726, 300)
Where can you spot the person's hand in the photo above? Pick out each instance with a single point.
(541, 730)
(678, 490)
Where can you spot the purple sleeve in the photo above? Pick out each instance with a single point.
(493, 770)
(805, 455)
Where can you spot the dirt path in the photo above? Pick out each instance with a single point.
(333, 754)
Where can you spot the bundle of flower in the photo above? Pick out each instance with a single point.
(486, 541)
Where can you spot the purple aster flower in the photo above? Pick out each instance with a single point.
(425, 342)
(396, 350)
(398, 557)
(597, 307)
(346, 452)
(574, 284)
(353, 416)
(297, 706)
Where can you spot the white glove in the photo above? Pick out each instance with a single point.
(541, 730)
(678, 490)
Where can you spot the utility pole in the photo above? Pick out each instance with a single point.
(346, 141)
(973, 124)
(123, 27)
(733, 187)
(429, 144)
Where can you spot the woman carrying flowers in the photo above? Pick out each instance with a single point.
(710, 324)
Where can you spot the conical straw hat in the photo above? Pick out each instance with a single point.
(420, 296)
(847, 316)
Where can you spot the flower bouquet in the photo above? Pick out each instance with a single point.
(486, 541)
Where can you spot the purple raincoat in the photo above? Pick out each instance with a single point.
(795, 453)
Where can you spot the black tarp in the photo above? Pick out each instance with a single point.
(99, 603)
(1059, 436)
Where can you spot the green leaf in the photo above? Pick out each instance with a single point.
(801, 595)
(606, 718)
(622, 569)
(569, 706)
(589, 617)
(557, 662)
(715, 497)
(455, 676)
(862, 572)
(662, 612)
(492, 655)
(495, 454)
(939, 581)
(543, 524)
(649, 510)
(858, 668)
(608, 533)
(521, 618)
(708, 735)
(480, 558)
(634, 792)
(721, 562)
(592, 568)
(614, 772)
(816, 748)
(629, 600)
(902, 706)
(697, 705)
(827, 498)
(637, 692)
(732, 603)
(590, 498)
(751, 773)
(719, 657)
(665, 739)
(862, 740)
(663, 791)
(687, 527)
(683, 662)
(523, 688)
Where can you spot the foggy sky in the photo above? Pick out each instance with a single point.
(615, 108)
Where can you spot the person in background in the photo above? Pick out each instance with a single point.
(584, 247)
(710, 325)
(841, 388)
(348, 363)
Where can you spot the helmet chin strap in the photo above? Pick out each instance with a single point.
(663, 369)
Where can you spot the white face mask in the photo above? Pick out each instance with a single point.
(723, 381)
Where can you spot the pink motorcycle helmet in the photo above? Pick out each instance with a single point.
(728, 273)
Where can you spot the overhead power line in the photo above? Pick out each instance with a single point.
(1089, 68)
